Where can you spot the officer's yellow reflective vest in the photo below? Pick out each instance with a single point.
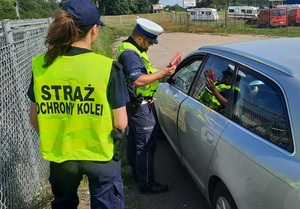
(148, 90)
(210, 99)
(74, 116)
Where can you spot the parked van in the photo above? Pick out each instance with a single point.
(203, 14)
(244, 12)
(273, 17)
(289, 6)
(294, 17)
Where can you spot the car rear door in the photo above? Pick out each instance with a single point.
(255, 152)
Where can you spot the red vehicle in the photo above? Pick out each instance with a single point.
(294, 17)
(274, 17)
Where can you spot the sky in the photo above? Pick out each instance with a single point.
(171, 2)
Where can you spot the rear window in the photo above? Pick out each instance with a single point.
(261, 109)
(278, 12)
(292, 12)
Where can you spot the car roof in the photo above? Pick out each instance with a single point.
(280, 53)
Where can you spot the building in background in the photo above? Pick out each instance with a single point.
(189, 3)
(157, 8)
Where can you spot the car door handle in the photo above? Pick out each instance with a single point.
(209, 137)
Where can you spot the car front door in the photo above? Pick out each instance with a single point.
(200, 126)
(171, 94)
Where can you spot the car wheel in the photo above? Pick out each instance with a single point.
(222, 198)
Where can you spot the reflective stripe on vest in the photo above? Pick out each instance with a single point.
(75, 119)
(148, 90)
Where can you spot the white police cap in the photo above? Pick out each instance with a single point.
(149, 29)
(230, 69)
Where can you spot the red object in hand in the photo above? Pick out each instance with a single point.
(210, 73)
(175, 60)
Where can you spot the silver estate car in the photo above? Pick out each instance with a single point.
(244, 154)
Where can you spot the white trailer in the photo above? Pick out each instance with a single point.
(204, 14)
(242, 12)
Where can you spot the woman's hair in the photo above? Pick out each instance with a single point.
(62, 32)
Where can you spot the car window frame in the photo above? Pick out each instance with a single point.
(201, 71)
(279, 91)
(188, 60)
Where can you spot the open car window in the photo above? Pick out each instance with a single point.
(213, 69)
(184, 76)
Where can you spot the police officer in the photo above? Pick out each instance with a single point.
(142, 81)
(217, 93)
(77, 101)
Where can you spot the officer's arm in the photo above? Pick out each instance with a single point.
(146, 79)
(210, 84)
(120, 118)
(219, 97)
(33, 117)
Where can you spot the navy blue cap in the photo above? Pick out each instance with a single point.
(85, 12)
(149, 29)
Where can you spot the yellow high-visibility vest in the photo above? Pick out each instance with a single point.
(148, 90)
(74, 116)
(210, 99)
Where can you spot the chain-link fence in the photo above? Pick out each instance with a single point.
(23, 173)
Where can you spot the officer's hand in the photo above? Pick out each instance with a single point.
(168, 71)
(210, 84)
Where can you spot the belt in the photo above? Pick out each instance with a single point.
(145, 101)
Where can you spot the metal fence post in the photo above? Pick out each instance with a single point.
(7, 32)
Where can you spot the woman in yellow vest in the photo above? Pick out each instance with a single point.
(78, 99)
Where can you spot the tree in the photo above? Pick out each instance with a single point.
(154, 1)
(28, 8)
(119, 7)
(7, 10)
(177, 8)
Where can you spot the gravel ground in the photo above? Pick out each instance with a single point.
(170, 43)
(183, 191)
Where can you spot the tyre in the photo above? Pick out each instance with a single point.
(222, 198)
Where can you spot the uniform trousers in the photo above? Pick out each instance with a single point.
(104, 178)
(141, 143)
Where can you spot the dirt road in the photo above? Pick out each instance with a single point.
(170, 43)
(183, 192)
